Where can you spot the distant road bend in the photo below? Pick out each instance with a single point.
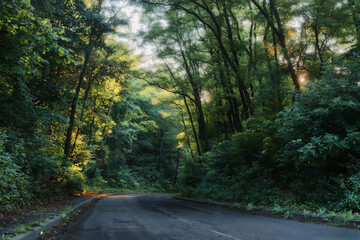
(159, 217)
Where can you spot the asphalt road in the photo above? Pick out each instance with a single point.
(159, 217)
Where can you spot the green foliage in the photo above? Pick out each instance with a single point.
(14, 184)
(126, 180)
(241, 108)
(25, 42)
(22, 229)
(74, 180)
(310, 154)
(235, 171)
(320, 133)
(190, 176)
(41, 52)
(351, 189)
(142, 147)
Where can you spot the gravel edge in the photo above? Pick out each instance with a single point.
(293, 215)
(35, 233)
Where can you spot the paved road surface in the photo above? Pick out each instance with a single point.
(159, 217)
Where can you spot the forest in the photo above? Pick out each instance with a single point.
(246, 101)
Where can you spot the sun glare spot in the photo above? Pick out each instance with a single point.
(205, 96)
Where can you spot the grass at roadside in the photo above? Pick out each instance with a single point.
(88, 189)
(21, 220)
(297, 212)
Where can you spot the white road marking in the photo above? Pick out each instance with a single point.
(183, 220)
(225, 235)
(222, 234)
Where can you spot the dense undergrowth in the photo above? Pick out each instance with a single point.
(307, 156)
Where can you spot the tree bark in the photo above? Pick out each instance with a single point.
(201, 119)
(75, 100)
(279, 31)
(192, 126)
(187, 135)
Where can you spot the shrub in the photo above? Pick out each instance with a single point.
(126, 180)
(14, 184)
(74, 180)
(321, 136)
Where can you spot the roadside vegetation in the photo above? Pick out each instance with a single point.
(254, 102)
(269, 92)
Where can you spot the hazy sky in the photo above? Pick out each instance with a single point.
(128, 34)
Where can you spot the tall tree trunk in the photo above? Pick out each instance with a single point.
(192, 126)
(275, 75)
(281, 37)
(176, 167)
(318, 50)
(218, 34)
(201, 119)
(107, 114)
(162, 134)
(91, 129)
(88, 51)
(75, 99)
(82, 112)
(244, 93)
(187, 135)
(233, 105)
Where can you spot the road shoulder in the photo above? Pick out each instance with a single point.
(292, 215)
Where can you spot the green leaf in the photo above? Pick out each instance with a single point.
(61, 52)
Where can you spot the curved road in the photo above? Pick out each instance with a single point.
(159, 217)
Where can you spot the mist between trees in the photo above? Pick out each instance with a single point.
(249, 101)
